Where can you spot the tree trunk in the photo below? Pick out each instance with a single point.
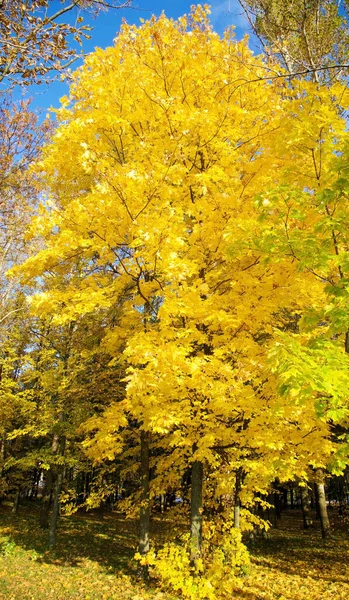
(277, 505)
(316, 496)
(144, 518)
(3, 448)
(197, 475)
(16, 501)
(36, 485)
(55, 509)
(325, 522)
(46, 500)
(238, 481)
(237, 516)
(47, 493)
(162, 503)
(57, 487)
(305, 507)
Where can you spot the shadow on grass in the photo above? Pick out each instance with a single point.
(108, 539)
(294, 551)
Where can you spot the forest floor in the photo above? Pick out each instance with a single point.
(93, 560)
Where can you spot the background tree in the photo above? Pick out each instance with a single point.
(38, 42)
(308, 38)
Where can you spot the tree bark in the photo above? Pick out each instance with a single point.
(316, 497)
(47, 493)
(144, 518)
(277, 505)
(305, 507)
(325, 522)
(46, 500)
(271, 510)
(238, 482)
(16, 501)
(57, 487)
(55, 510)
(3, 448)
(162, 503)
(197, 476)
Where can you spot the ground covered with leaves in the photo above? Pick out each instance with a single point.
(94, 560)
(294, 564)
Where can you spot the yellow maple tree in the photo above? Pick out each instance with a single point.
(164, 153)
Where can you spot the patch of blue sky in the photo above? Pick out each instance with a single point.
(105, 27)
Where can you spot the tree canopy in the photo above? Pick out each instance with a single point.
(190, 248)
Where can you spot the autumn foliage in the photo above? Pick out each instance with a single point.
(192, 245)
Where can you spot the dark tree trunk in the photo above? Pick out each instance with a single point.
(36, 484)
(316, 496)
(238, 482)
(16, 501)
(292, 498)
(305, 507)
(144, 518)
(57, 488)
(55, 509)
(197, 476)
(271, 510)
(277, 505)
(46, 501)
(47, 493)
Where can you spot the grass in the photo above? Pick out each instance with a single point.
(93, 560)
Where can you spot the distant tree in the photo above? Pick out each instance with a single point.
(310, 38)
(37, 41)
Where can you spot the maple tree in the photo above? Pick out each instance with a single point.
(168, 181)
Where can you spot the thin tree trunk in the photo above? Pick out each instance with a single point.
(238, 481)
(277, 505)
(197, 476)
(3, 448)
(316, 495)
(305, 507)
(46, 500)
(55, 510)
(271, 510)
(16, 501)
(325, 522)
(47, 493)
(57, 488)
(144, 519)
(36, 484)
(237, 516)
(162, 502)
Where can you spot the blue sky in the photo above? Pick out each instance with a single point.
(105, 27)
